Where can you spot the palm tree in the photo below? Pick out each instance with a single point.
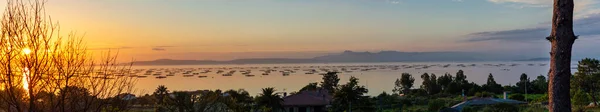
(269, 99)
(161, 93)
(561, 38)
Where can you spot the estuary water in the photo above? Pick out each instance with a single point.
(377, 77)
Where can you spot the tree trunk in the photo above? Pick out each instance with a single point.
(561, 39)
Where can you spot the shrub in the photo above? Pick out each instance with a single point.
(501, 107)
(484, 94)
(519, 97)
(435, 105)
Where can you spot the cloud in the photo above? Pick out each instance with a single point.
(580, 5)
(109, 48)
(158, 49)
(585, 26)
(164, 46)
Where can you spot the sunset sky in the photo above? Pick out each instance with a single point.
(232, 29)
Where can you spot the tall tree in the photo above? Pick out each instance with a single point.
(436, 88)
(524, 84)
(350, 97)
(270, 100)
(426, 84)
(587, 77)
(444, 81)
(404, 84)
(540, 84)
(183, 101)
(561, 39)
(430, 83)
(162, 96)
(492, 86)
(242, 99)
(330, 81)
(461, 79)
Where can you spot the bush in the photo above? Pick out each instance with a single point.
(519, 97)
(502, 107)
(484, 94)
(436, 105)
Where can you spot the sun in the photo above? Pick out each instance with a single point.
(26, 50)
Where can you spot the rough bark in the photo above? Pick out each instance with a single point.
(561, 39)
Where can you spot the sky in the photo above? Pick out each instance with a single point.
(234, 29)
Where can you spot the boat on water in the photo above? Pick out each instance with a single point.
(161, 77)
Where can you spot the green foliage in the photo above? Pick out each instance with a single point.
(501, 107)
(534, 108)
(484, 94)
(183, 101)
(444, 81)
(351, 96)
(403, 85)
(430, 84)
(587, 78)
(524, 85)
(436, 105)
(242, 99)
(269, 99)
(517, 96)
(386, 101)
(461, 78)
(162, 99)
(492, 86)
(540, 85)
(580, 98)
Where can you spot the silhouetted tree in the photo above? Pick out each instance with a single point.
(429, 83)
(242, 99)
(540, 84)
(351, 96)
(403, 85)
(183, 101)
(435, 86)
(330, 81)
(561, 39)
(524, 84)
(270, 100)
(492, 86)
(461, 79)
(444, 81)
(162, 98)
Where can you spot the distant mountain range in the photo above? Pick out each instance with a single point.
(346, 56)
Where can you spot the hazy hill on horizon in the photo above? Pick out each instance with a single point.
(347, 56)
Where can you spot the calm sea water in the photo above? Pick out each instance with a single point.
(378, 80)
